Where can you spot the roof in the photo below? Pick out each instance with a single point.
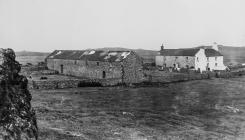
(212, 52)
(179, 52)
(90, 55)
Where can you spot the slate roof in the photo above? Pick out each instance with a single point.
(212, 52)
(179, 52)
(189, 52)
(89, 55)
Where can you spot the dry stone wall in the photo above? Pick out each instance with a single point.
(17, 117)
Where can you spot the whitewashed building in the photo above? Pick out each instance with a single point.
(194, 58)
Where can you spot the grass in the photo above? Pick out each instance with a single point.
(190, 110)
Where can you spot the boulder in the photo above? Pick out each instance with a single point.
(17, 117)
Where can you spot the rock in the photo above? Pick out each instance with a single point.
(17, 117)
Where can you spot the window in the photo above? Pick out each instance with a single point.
(103, 74)
(187, 58)
(215, 58)
(207, 58)
(197, 59)
(176, 57)
(216, 64)
(61, 69)
(98, 63)
(75, 62)
(207, 64)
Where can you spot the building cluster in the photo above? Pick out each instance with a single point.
(203, 58)
(127, 66)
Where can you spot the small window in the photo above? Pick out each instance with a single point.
(208, 58)
(98, 63)
(207, 64)
(215, 58)
(197, 59)
(75, 62)
(103, 74)
(176, 57)
(216, 64)
(187, 58)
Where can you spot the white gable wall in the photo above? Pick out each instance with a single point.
(201, 60)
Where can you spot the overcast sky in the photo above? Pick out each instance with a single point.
(45, 25)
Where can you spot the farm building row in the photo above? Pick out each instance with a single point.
(125, 66)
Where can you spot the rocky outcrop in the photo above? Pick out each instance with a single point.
(17, 117)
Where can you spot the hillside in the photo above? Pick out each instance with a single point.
(29, 53)
(233, 55)
(147, 55)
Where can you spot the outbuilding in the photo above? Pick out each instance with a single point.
(125, 66)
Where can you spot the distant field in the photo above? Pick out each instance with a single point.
(30, 59)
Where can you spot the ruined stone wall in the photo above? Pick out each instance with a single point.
(90, 69)
(17, 117)
(132, 69)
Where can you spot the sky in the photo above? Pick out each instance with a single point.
(46, 25)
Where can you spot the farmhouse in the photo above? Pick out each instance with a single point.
(125, 66)
(194, 58)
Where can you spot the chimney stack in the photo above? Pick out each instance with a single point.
(215, 46)
(162, 47)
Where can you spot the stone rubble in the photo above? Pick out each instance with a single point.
(17, 117)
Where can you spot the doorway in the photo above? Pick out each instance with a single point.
(61, 69)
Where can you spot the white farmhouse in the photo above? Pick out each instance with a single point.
(214, 60)
(194, 58)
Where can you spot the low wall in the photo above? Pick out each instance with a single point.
(53, 84)
(71, 83)
(157, 76)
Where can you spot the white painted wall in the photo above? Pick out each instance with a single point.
(216, 63)
(201, 60)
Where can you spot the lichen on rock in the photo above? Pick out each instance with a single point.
(17, 117)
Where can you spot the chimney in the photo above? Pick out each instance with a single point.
(215, 46)
(162, 47)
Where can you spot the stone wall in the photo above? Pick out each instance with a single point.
(132, 69)
(89, 69)
(17, 117)
(72, 83)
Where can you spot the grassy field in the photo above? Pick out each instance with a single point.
(206, 109)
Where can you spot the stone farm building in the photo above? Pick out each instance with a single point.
(194, 58)
(124, 66)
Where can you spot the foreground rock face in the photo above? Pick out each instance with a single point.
(17, 118)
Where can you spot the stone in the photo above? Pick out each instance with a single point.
(17, 117)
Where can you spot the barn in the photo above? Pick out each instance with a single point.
(125, 66)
